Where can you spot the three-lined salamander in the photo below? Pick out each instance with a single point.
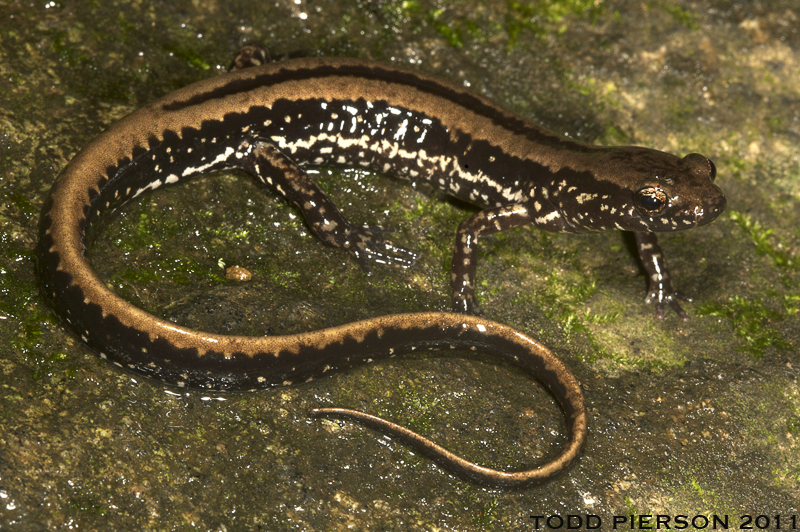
(273, 121)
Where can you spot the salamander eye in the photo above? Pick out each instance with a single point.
(700, 166)
(652, 200)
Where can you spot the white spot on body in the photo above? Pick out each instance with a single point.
(553, 215)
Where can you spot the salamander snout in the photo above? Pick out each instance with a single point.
(705, 199)
(708, 206)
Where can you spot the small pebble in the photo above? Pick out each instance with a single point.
(237, 273)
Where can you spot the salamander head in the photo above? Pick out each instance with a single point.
(638, 189)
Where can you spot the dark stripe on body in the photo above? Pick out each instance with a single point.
(394, 76)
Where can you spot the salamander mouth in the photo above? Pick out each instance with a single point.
(702, 214)
(712, 209)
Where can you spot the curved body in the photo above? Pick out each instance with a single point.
(274, 120)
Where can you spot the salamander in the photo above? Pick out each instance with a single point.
(274, 121)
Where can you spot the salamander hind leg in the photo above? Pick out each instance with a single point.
(256, 54)
(250, 55)
(365, 244)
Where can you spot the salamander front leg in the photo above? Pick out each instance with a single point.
(659, 288)
(483, 223)
(365, 244)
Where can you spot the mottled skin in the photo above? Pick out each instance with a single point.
(274, 120)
